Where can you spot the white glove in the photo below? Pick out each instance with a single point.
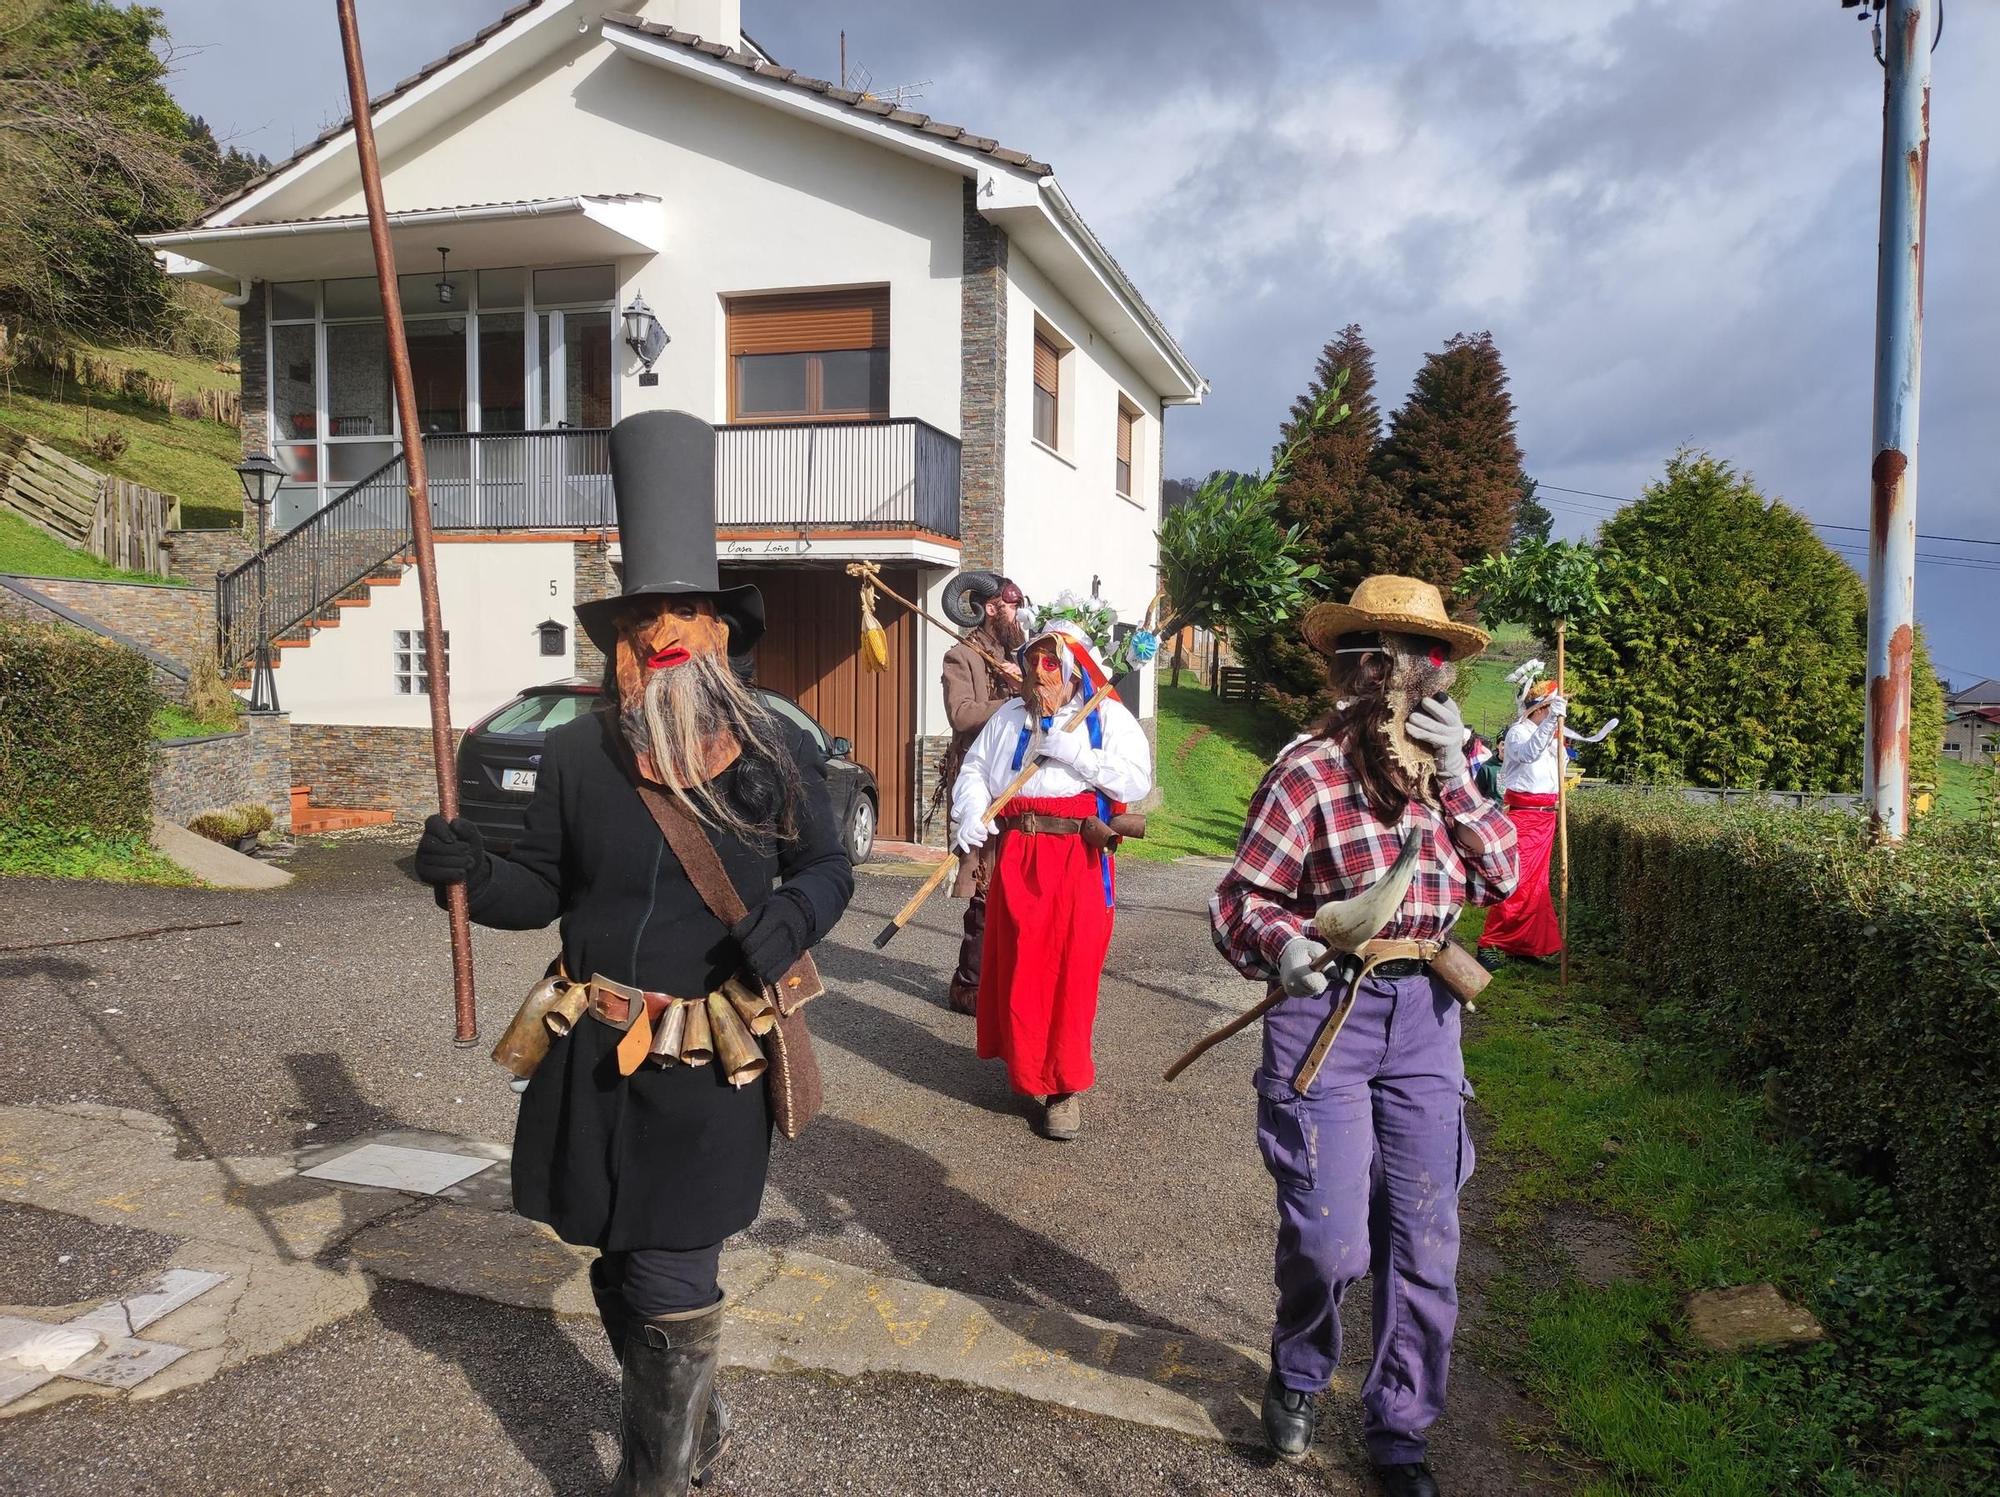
(1441, 727)
(1060, 746)
(972, 836)
(1558, 706)
(1295, 973)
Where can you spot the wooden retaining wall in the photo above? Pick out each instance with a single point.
(115, 519)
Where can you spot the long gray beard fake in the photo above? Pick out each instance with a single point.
(1413, 679)
(683, 710)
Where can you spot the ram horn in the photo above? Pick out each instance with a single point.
(1344, 924)
(697, 1044)
(737, 1055)
(755, 1008)
(966, 596)
(667, 1035)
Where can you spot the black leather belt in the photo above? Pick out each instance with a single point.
(1406, 967)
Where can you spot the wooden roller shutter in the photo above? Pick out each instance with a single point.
(1124, 434)
(809, 322)
(1048, 359)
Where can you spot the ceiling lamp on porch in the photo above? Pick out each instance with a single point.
(644, 336)
(446, 291)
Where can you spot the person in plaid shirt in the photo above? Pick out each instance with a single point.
(1369, 1163)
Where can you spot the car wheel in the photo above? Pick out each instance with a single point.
(860, 829)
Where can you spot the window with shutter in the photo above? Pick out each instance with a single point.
(1126, 417)
(1048, 387)
(810, 356)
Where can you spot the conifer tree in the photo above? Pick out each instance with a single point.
(1450, 464)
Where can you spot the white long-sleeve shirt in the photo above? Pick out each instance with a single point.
(1122, 768)
(1530, 757)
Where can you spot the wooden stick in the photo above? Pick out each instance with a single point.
(1562, 805)
(869, 573)
(465, 1013)
(903, 916)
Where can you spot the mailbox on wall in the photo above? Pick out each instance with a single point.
(555, 637)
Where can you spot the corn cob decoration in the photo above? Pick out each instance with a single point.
(874, 639)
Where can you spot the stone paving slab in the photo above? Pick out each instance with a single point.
(415, 1171)
(218, 866)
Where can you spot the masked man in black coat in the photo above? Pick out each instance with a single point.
(620, 1146)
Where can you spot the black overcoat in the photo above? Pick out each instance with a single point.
(669, 1157)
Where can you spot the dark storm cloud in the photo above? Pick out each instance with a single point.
(1665, 210)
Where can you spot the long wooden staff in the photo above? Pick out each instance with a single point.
(465, 1012)
(1562, 806)
(950, 864)
(870, 574)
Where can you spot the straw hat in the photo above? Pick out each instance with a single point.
(1392, 605)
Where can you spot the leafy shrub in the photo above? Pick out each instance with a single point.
(220, 826)
(1860, 984)
(76, 715)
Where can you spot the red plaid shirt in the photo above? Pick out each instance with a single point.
(1310, 837)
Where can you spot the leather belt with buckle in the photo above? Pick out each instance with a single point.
(615, 1004)
(1034, 823)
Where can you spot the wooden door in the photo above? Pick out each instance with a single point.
(812, 653)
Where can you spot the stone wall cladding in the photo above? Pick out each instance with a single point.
(30, 610)
(982, 413)
(195, 556)
(594, 580)
(366, 768)
(176, 621)
(930, 827)
(250, 357)
(252, 766)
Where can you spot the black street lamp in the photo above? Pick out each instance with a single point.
(261, 478)
(644, 336)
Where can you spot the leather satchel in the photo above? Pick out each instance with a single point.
(796, 1090)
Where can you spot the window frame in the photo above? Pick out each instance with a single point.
(1125, 434)
(872, 302)
(1045, 339)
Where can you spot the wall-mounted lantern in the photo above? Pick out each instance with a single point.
(555, 637)
(645, 337)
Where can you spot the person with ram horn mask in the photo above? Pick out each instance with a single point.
(1051, 884)
(1361, 1091)
(980, 677)
(682, 837)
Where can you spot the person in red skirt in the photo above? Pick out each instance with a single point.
(1532, 754)
(1050, 882)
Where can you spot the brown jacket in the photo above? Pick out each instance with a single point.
(971, 696)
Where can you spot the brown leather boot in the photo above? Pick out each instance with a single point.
(964, 1000)
(1064, 1118)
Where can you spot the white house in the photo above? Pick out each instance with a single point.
(914, 348)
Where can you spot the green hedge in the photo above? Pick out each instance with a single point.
(1860, 985)
(76, 739)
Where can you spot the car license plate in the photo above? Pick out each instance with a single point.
(517, 779)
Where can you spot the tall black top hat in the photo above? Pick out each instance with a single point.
(663, 481)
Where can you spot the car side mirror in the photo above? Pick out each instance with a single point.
(840, 748)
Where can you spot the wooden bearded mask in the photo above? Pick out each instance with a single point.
(1044, 684)
(661, 633)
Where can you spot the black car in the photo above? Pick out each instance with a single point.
(501, 754)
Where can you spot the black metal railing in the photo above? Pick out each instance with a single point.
(899, 474)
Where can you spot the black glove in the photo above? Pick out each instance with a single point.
(453, 852)
(772, 936)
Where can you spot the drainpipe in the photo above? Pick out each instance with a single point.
(1899, 347)
(242, 297)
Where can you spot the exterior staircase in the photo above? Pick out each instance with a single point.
(299, 634)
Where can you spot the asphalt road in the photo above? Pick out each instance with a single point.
(326, 1014)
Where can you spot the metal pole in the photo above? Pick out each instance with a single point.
(442, 756)
(263, 685)
(1899, 348)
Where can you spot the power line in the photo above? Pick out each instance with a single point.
(1922, 535)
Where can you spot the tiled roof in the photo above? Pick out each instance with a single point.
(472, 43)
(918, 124)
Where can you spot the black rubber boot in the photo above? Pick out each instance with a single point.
(669, 1367)
(1289, 1418)
(1409, 1479)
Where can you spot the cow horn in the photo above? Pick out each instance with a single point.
(1344, 924)
(966, 595)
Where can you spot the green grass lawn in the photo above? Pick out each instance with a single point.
(192, 459)
(172, 720)
(1211, 755)
(30, 551)
(1964, 791)
(1595, 1106)
(186, 374)
(1485, 697)
(80, 856)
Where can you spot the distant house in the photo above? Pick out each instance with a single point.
(915, 350)
(1980, 694)
(1971, 732)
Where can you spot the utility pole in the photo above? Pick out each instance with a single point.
(1904, 31)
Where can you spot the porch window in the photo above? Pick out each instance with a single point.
(1127, 417)
(810, 356)
(1048, 388)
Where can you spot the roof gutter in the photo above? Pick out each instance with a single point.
(1071, 222)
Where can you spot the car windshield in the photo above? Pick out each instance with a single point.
(538, 714)
(788, 708)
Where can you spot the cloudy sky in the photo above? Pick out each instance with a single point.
(1665, 210)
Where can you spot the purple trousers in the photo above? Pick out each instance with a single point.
(1368, 1169)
